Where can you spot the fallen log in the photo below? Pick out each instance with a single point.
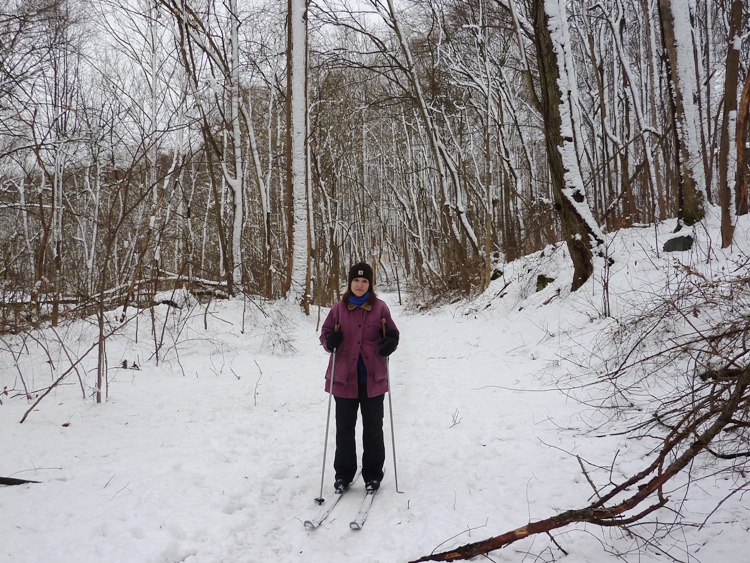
(11, 481)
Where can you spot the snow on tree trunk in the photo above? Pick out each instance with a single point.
(727, 150)
(559, 97)
(235, 181)
(678, 36)
(298, 288)
(742, 143)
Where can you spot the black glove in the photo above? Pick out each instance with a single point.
(333, 340)
(388, 344)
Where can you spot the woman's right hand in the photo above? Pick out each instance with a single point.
(333, 340)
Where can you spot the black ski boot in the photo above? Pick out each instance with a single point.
(341, 485)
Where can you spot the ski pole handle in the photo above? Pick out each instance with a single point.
(336, 328)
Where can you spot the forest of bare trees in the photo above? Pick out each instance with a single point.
(259, 148)
(145, 143)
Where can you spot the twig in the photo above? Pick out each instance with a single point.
(124, 488)
(467, 531)
(255, 392)
(551, 537)
(586, 474)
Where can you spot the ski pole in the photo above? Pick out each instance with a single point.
(320, 499)
(390, 410)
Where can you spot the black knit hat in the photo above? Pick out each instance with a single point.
(360, 270)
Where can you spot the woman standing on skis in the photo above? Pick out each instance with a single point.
(360, 331)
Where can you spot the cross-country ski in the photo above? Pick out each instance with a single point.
(325, 510)
(364, 510)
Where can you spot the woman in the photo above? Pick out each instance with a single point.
(360, 331)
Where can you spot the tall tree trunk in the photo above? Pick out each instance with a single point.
(298, 279)
(729, 125)
(484, 45)
(581, 233)
(265, 211)
(742, 141)
(691, 196)
(235, 180)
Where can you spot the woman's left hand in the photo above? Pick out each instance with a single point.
(388, 344)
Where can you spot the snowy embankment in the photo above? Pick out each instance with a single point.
(214, 454)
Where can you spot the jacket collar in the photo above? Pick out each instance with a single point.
(366, 306)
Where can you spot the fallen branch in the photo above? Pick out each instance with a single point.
(11, 481)
(598, 513)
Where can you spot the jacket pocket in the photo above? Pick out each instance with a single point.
(373, 332)
(381, 370)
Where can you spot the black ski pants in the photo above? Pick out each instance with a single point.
(373, 457)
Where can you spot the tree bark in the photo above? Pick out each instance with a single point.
(570, 201)
(298, 280)
(691, 199)
(728, 124)
(743, 153)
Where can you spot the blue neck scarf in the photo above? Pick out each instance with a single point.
(359, 301)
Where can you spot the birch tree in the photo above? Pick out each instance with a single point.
(298, 281)
(236, 176)
(29, 41)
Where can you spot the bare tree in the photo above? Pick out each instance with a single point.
(556, 73)
(742, 142)
(727, 172)
(430, 147)
(298, 273)
(681, 78)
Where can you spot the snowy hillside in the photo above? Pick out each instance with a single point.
(214, 455)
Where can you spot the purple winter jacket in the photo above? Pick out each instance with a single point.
(362, 329)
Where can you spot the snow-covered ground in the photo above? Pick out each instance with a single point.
(214, 454)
